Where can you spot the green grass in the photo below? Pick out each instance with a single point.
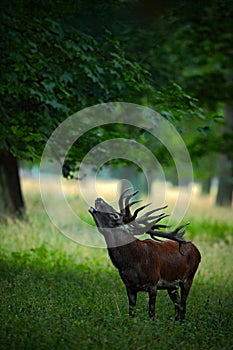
(56, 294)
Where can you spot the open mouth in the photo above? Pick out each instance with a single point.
(98, 203)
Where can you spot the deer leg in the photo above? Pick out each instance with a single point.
(174, 296)
(184, 291)
(132, 297)
(152, 301)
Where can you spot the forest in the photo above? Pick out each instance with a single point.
(60, 61)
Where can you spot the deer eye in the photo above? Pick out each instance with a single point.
(115, 216)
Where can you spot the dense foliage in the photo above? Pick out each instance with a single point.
(49, 73)
(52, 69)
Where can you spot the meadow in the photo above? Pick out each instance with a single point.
(56, 294)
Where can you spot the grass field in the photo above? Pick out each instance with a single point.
(56, 294)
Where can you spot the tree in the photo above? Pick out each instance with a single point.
(52, 67)
(49, 71)
(208, 76)
(191, 44)
(225, 189)
(197, 53)
(10, 190)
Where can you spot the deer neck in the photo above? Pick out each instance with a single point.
(121, 257)
(119, 242)
(118, 236)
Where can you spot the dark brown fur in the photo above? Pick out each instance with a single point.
(149, 266)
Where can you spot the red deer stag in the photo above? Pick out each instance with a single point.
(147, 265)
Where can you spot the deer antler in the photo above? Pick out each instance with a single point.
(148, 223)
(175, 235)
(125, 207)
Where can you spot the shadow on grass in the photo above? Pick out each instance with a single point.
(49, 302)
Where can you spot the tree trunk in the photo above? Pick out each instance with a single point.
(225, 188)
(11, 199)
(206, 186)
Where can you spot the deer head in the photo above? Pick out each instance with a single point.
(130, 225)
(105, 216)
